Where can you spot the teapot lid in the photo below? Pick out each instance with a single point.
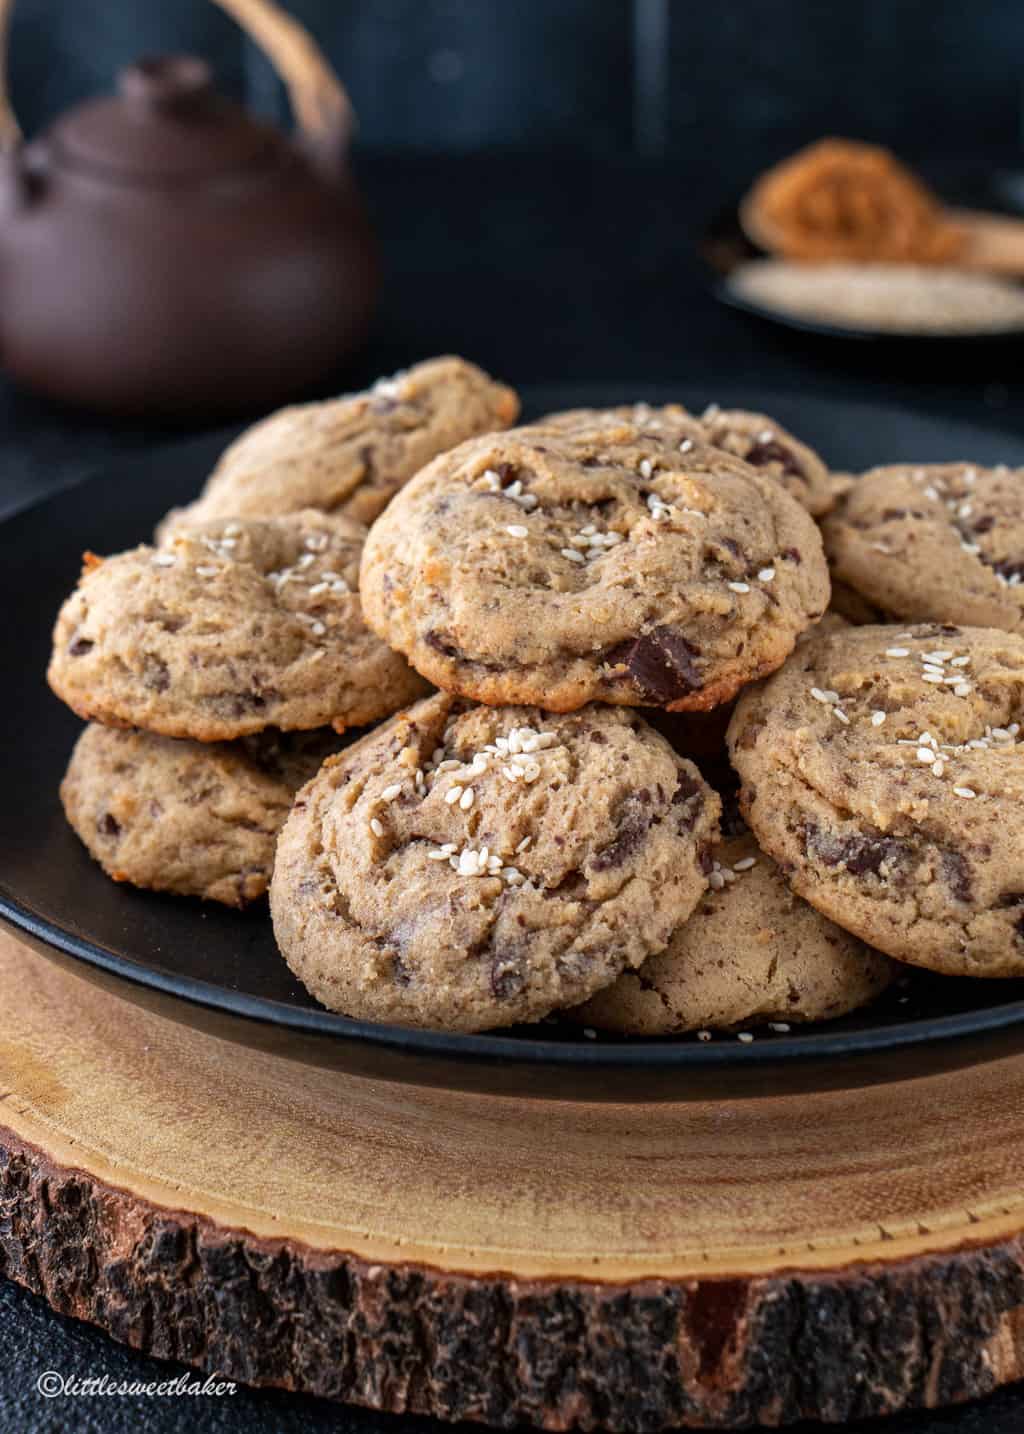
(166, 123)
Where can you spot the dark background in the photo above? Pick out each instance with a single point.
(538, 173)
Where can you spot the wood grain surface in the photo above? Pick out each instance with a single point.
(628, 1267)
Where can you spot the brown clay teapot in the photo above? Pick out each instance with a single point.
(162, 253)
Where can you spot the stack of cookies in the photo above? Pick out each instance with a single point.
(590, 595)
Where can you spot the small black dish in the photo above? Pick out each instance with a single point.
(219, 970)
(724, 246)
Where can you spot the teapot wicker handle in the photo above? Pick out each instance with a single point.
(318, 99)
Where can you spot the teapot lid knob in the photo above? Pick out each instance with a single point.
(166, 82)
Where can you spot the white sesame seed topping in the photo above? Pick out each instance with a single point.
(573, 555)
(877, 718)
(745, 864)
(962, 689)
(686, 445)
(516, 530)
(317, 628)
(781, 1026)
(716, 881)
(897, 652)
(838, 712)
(703, 1035)
(967, 792)
(646, 468)
(745, 1037)
(316, 542)
(376, 826)
(925, 754)
(453, 794)
(467, 799)
(766, 575)
(739, 587)
(960, 662)
(390, 793)
(163, 560)
(931, 676)
(936, 656)
(524, 844)
(938, 768)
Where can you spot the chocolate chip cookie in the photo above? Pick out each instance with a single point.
(759, 440)
(751, 952)
(470, 867)
(194, 818)
(351, 455)
(557, 568)
(942, 542)
(883, 769)
(229, 628)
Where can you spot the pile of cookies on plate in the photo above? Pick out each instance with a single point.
(595, 648)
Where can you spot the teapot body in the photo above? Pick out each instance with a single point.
(206, 299)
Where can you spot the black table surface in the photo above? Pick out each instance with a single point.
(543, 268)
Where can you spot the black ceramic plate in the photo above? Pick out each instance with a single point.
(218, 969)
(725, 246)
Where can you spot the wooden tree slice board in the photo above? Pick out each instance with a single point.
(628, 1267)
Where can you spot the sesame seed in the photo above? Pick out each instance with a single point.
(819, 695)
(938, 768)
(960, 662)
(925, 754)
(512, 773)
(838, 712)
(163, 560)
(316, 542)
(931, 676)
(766, 575)
(467, 799)
(877, 718)
(390, 793)
(716, 881)
(376, 826)
(739, 587)
(524, 844)
(781, 1026)
(746, 863)
(936, 656)
(703, 1035)
(962, 689)
(897, 652)
(686, 445)
(745, 1037)
(646, 468)
(573, 555)
(452, 795)
(438, 855)
(967, 792)
(204, 570)
(447, 765)
(516, 530)
(317, 628)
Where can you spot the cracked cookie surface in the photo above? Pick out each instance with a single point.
(941, 542)
(752, 951)
(883, 768)
(614, 564)
(351, 455)
(469, 867)
(193, 818)
(229, 628)
(757, 439)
